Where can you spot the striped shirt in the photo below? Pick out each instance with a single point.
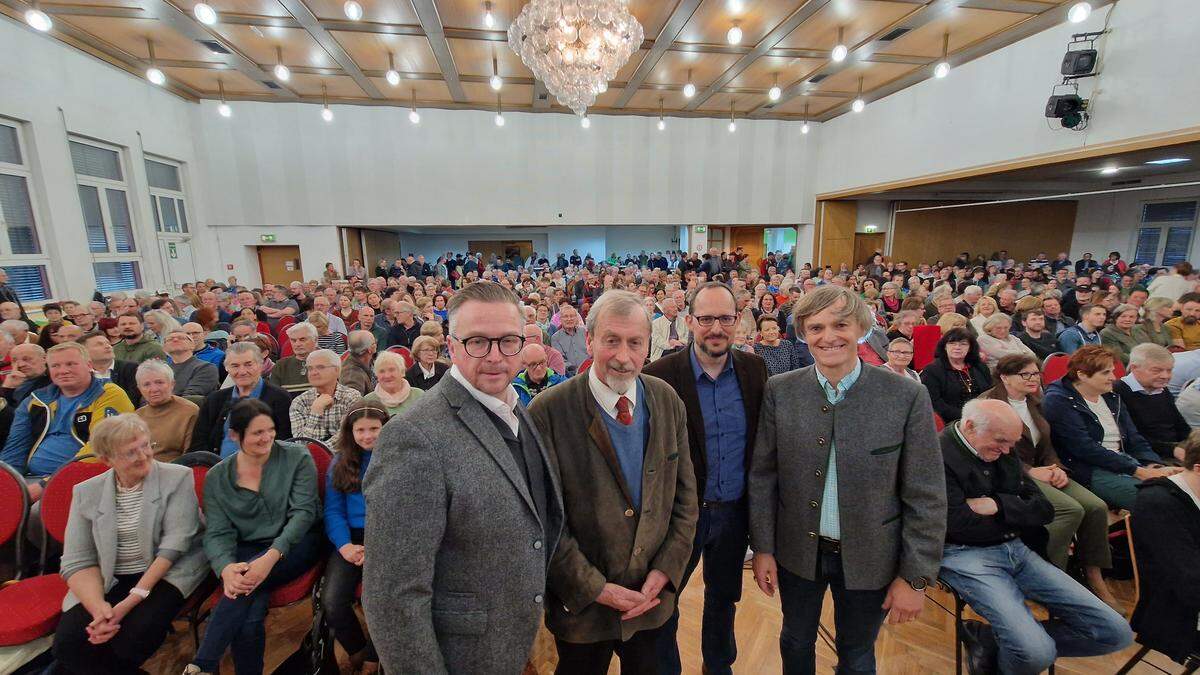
(130, 558)
(334, 341)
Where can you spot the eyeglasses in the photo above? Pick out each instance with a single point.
(1029, 377)
(726, 320)
(901, 352)
(478, 346)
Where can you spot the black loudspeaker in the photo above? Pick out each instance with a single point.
(1061, 105)
(1080, 62)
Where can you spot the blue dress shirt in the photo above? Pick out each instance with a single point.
(724, 417)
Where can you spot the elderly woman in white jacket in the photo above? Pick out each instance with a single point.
(996, 340)
(132, 554)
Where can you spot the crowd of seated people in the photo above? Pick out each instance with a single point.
(331, 360)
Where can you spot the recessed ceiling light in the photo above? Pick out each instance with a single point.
(1169, 160)
(1109, 170)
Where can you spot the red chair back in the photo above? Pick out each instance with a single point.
(1054, 367)
(199, 473)
(14, 505)
(925, 339)
(404, 353)
(264, 328)
(322, 457)
(282, 326)
(938, 422)
(285, 347)
(56, 499)
(1118, 368)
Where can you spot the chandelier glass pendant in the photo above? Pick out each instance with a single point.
(575, 46)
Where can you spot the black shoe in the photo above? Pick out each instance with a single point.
(980, 645)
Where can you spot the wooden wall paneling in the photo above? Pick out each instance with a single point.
(751, 241)
(835, 232)
(273, 263)
(1024, 229)
(865, 245)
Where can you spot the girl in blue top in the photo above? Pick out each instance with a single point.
(345, 515)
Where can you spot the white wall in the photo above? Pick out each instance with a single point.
(991, 109)
(649, 238)
(55, 91)
(587, 240)
(1106, 223)
(873, 212)
(239, 247)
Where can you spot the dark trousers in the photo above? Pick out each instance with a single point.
(238, 624)
(337, 597)
(142, 632)
(721, 536)
(857, 616)
(638, 654)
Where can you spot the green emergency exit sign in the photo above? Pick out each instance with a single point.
(267, 238)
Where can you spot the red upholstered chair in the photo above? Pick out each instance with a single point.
(35, 604)
(264, 328)
(938, 422)
(285, 347)
(404, 353)
(925, 339)
(1054, 367)
(1118, 369)
(14, 512)
(299, 588)
(282, 325)
(322, 457)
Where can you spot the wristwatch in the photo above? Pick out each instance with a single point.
(918, 583)
(140, 592)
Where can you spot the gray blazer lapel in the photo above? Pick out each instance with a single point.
(104, 525)
(653, 452)
(476, 419)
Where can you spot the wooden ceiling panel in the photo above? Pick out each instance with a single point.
(816, 105)
(299, 48)
(205, 81)
(873, 74)
(469, 13)
(427, 90)
(474, 57)
(861, 19)
(652, 14)
(965, 26)
(673, 67)
(761, 73)
(719, 103)
(631, 65)
(512, 94)
(130, 35)
(370, 51)
(647, 99)
(713, 20)
(338, 86)
(377, 11)
(95, 3)
(251, 7)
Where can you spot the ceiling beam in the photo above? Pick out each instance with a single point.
(666, 37)
(920, 16)
(1026, 28)
(189, 27)
(301, 13)
(1020, 6)
(431, 22)
(782, 30)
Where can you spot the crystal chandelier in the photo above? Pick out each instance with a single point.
(575, 46)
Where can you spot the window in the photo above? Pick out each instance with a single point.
(107, 221)
(1165, 235)
(20, 247)
(166, 197)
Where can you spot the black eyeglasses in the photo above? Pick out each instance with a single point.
(478, 346)
(1029, 377)
(726, 320)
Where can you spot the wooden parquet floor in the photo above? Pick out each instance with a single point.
(923, 647)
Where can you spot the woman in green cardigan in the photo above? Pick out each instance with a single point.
(263, 514)
(1155, 312)
(1118, 336)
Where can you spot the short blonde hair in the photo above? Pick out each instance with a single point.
(995, 319)
(68, 346)
(952, 320)
(113, 432)
(823, 297)
(392, 358)
(425, 342)
(986, 300)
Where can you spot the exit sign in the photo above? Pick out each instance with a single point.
(267, 237)
(700, 229)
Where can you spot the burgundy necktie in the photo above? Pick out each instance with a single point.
(624, 416)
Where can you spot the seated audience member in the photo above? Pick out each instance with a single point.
(327, 339)
(193, 377)
(956, 374)
(1077, 512)
(948, 322)
(1092, 431)
(1056, 321)
(106, 367)
(1086, 332)
(356, 369)
(1185, 328)
(52, 334)
(903, 324)
(366, 321)
(203, 349)
(28, 372)
(321, 305)
(992, 506)
(52, 426)
(985, 309)
(570, 339)
(345, 518)
(18, 330)
(171, 419)
(137, 344)
(1143, 390)
(554, 358)
(997, 341)
(393, 390)
(243, 361)
(669, 333)
(317, 412)
(1152, 328)
(1166, 518)
(1187, 402)
(536, 376)
(289, 372)
(426, 369)
(1118, 336)
(132, 554)
(263, 512)
(407, 328)
(781, 355)
(1041, 341)
(900, 356)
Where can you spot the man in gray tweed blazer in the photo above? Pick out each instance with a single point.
(846, 489)
(463, 511)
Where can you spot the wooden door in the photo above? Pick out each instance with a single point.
(834, 233)
(751, 241)
(865, 245)
(280, 264)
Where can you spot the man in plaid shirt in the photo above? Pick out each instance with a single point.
(317, 412)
